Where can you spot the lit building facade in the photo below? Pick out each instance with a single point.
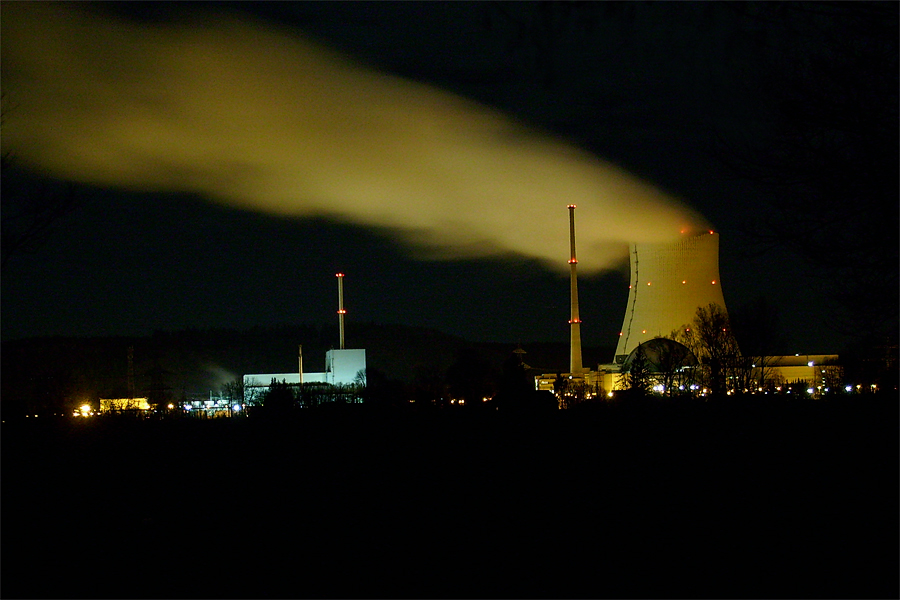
(108, 405)
(342, 367)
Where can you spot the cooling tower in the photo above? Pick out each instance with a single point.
(668, 283)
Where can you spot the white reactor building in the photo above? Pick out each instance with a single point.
(668, 283)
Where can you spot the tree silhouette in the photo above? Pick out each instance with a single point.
(30, 206)
(829, 162)
(278, 400)
(638, 375)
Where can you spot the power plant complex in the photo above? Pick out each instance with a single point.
(668, 283)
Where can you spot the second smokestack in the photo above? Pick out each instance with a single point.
(574, 321)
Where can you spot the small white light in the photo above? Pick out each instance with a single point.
(810, 390)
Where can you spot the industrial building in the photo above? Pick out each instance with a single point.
(342, 366)
(668, 283)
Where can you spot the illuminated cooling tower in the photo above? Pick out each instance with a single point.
(668, 283)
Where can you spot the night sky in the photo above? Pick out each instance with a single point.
(229, 159)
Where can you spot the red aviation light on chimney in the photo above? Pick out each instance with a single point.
(573, 261)
(339, 275)
(571, 206)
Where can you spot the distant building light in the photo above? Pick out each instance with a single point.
(236, 408)
(809, 364)
(810, 391)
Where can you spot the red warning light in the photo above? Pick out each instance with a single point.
(571, 206)
(339, 275)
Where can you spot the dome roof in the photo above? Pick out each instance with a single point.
(662, 355)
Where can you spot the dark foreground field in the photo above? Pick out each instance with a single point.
(711, 500)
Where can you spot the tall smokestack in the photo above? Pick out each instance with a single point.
(574, 321)
(341, 311)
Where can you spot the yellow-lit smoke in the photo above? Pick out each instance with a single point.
(262, 119)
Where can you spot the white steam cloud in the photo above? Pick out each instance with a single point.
(262, 119)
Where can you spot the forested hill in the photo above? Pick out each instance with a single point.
(51, 373)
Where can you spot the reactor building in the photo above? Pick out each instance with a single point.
(342, 366)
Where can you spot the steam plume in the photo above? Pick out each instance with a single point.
(262, 119)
